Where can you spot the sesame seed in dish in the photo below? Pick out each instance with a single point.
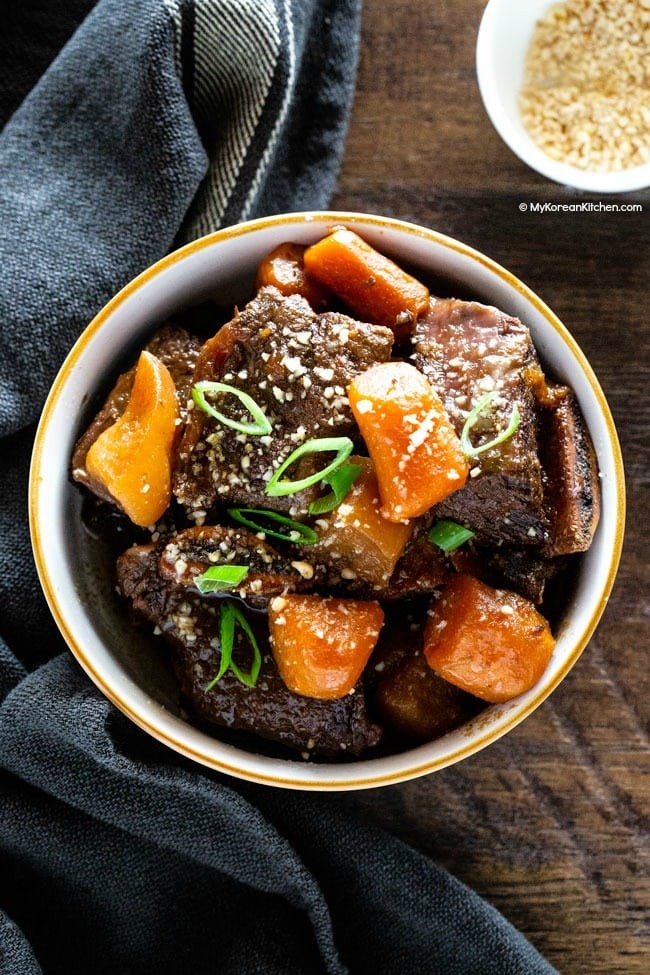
(586, 94)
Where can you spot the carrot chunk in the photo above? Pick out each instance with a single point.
(284, 269)
(489, 642)
(373, 286)
(321, 645)
(133, 457)
(356, 538)
(414, 448)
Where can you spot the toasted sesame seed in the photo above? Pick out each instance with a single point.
(305, 569)
(364, 406)
(324, 373)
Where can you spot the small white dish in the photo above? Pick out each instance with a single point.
(79, 585)
(503, 40)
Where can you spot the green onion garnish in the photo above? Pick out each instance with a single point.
(297, 532)
(226, 645)
(471, 451)
(260, 425)
(449, 535)
(343, 447)
(219, 577)
(229, 618)
(340, 481)
(231, 615)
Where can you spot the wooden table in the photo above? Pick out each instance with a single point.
(550, 823)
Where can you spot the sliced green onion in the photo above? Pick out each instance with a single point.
(449, 535)
(343, 447)
(219, 577)
(226, 653)
(260, 425)
(297, 531)
(471, 451)
(231, 617)
(340, 481)
(230, 611)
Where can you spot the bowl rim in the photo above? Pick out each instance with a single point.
(518, 140)
(361, 773)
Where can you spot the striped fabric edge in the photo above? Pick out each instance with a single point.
(236, 60)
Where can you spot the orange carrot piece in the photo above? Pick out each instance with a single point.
(373, 286)
(133, 457)
(414, 448)
(356, 536)
(284, 269)
(490, 642)
(321, 645)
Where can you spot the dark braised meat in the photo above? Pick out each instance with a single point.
(466, 350)
(297, 366)
(194, 550)
(407, 694)
(422, 569)
(525, 571)
(572, 491)
(178, 351)
(571, 503)
(189, 623)
(419, 704)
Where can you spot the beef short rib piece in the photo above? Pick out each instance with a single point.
(189, 624)
(572, 490)
(525, 570)
(296, 365)
(194, 550)
(178, 351)
(466, 350)
(419, 705)
(422, 569)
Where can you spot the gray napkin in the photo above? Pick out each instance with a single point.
(158, 121)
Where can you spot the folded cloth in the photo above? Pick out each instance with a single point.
(159, 120)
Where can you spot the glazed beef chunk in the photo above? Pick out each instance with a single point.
(419, 704)
(420, 570)
(189, 623)
(466, 350)
(193, 551)
(571, 474)
(534, 497)
(178, 351)
(296, 365)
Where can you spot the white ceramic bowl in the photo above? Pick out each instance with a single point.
(503, 40)
(79, 590)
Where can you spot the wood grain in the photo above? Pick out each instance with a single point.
(549, 824)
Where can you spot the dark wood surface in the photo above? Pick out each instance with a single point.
(550, 823)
